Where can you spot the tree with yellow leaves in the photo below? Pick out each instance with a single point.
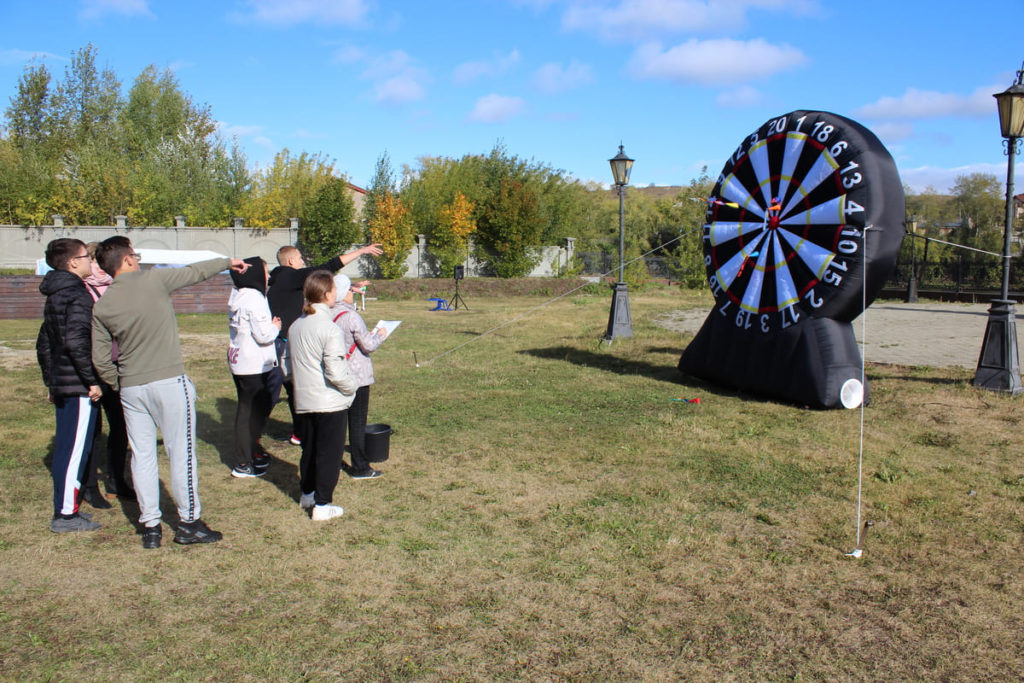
(392, 228)
(450, 240)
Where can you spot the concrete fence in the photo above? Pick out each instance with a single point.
(21, 246)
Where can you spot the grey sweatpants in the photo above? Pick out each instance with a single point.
(170, 406)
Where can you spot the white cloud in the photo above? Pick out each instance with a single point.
(264, 142)
(926, 104)
(715, 62)
(179, 65)
(891, 133)
(468, 72)
(398, 79)
(253, 135)
(239, 131)
(15, 56)
(398, 90)
(350, 54)
(743, 96)
(942, 179)
(554, 78)
(289, 12)
(390, 64)
(639, 19)
(496, 108)
(94, 9)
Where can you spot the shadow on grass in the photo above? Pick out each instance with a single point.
(909, 373)
(219, 433)
(610, 363)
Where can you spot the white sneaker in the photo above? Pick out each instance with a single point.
(307, 501)
(322, 513)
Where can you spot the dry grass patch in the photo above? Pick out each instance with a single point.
(548, 513)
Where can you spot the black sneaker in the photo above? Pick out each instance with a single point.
(196, 532)
(151, 536)
(242, 471)
(368, 474)
(261, 462)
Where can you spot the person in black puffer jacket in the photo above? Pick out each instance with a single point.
(64, 350)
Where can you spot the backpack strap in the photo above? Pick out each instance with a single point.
(352, 349)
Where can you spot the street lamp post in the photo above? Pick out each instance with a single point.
(620, 323)
(999, 364)
(912, 283)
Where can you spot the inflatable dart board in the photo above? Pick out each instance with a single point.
(802, 229)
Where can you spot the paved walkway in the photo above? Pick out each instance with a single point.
(935, 334)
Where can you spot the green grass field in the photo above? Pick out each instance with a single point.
(548, 513)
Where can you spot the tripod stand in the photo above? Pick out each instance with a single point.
(453, 302)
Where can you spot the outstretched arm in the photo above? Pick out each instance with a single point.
(371, 249)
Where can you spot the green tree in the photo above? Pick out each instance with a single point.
(329, 227)
(284, 189)
(79, 149)
(510, 228)
(682, 231)
(382, 185)
(979, 200)
(27, 158)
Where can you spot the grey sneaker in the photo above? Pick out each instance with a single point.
(61, 525)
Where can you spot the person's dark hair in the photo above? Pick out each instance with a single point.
(111, 252)
(315, 289)
(60, 251)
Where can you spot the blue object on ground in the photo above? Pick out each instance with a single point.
(442, 305)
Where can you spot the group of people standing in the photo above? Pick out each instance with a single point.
(114, 341)
(297, 328)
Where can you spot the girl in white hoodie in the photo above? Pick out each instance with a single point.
(251, 357)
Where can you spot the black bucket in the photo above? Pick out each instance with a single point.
(378, 440)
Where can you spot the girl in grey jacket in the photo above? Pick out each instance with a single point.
(324, 389)
(359, 344)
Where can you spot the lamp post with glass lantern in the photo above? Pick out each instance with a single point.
(999, 364)
(620, 323)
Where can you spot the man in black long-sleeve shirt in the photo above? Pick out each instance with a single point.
(284, 294)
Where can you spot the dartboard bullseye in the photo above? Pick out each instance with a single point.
(785, 234)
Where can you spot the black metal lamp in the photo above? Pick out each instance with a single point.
(912, 282)
(620, 322)
(999, 363)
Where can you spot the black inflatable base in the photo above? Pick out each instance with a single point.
(806, 364)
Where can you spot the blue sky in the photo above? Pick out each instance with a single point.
(562, 82)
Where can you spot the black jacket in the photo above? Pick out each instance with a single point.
(64, 345)
(285, 291)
